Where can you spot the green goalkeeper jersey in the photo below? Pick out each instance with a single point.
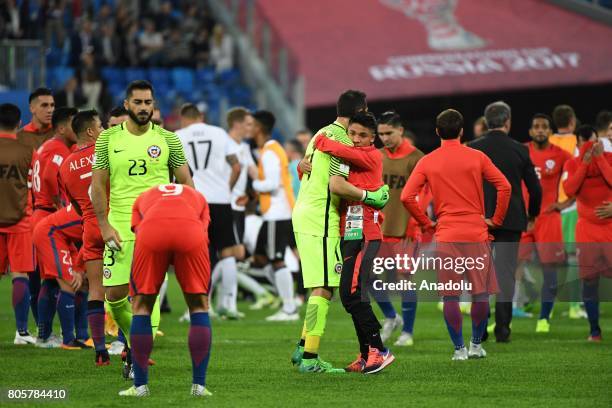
(135, 164)
(316, 208)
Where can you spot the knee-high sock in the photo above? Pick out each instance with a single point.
(65, 310)
(250, 284)
(141, 340)
(95, 318)
(316, 319)
(479, 313)
(34, 285)
(200, 341)
(121, 310)
(549, 290)
(216, 290)
(155, 316)
(590, 295)
(80, 317)
(163, 290)
(121, 337)
(454, 320)
(229, 282)
(387, 309)
(283, 281)
(47, 302)
(21, 303)
(409, 308)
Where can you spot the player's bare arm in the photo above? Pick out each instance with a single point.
(99, 201)
(232, 160)
(182, 175)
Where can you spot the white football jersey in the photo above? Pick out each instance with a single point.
(206, 149)
(246, 159)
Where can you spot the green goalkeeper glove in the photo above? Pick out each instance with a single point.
(378, 198)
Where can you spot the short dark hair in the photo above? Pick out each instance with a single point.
(139, 84)
(367, 120)
(584, 132)
(237, 114)
(40, 92)
(117, 111)
(391, 118)
(83, 120)
(190, 110)
(603, 119)
(562, 115)
(350, 102)
(266, 119)
(497, 114)
(62, 115)
(10, 115)
(297, 146)
(449, 124)
(542, 116)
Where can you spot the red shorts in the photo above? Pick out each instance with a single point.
(93, 244)
(37, 215)
(546, 238)
(16, 251)
(54, 240)
(470, 263)
(160, 243)
(594, 249)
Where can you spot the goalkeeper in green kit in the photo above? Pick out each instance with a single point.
(316, 223)
(130, 158)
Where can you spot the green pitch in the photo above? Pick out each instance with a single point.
(250, 366)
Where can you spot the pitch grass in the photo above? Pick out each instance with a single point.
(250, 366)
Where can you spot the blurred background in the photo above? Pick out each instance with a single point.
(295, 57)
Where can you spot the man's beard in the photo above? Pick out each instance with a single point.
(139, 121)
(541, 143)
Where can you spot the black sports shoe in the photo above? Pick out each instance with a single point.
(126, 356)
(102, 358)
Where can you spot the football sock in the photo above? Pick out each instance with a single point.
(164, 288)
(121, 337)
(95, 318)
(316, 319)
(591, 304)
(479, 312)
(65, 310)
(387, 309)
(200, 340)
(409, 308)
(283, 281)
(121, 310)
(549, 290)
(454, 320)
(141, 340)
(303, 336)
(250, 284)
(47, 301)
(21, 303)
(34, 289)
(229, 282)
(80, 317)
(155, 316)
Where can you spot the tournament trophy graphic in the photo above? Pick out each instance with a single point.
(444, 33)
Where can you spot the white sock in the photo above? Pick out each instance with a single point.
(250, 284)
(214, 285)
(229, 283)
(163, 290)
(283, 279)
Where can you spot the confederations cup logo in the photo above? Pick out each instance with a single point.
(154, 151)
(107, 273)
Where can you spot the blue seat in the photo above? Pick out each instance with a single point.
(229, 76)
(159, 77)
(206, 75)
(113, 75)
(135, 74)
(183, 79)
(58, 76)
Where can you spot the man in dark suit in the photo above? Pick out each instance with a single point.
(512, 158)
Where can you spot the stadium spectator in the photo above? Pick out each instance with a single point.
(81, 42)
(177, 50)
(107, 46)
(10, 23)
(221, 49)
(200, 46)
(91, 82)
(303, 136)
(151, 43)
(603, 124)
(512, 158)
(71, 94)
(480, 127)
(295, 153)
(55, 32)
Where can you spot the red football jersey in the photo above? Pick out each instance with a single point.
(548, 164)
(75, 175)
(45, 170)
(170, 201)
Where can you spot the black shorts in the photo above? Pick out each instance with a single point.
(273, 238)
(238, 217)
(221, 228)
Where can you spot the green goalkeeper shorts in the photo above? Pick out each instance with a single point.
(321, 260)
(118, 264)
(568, 223)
